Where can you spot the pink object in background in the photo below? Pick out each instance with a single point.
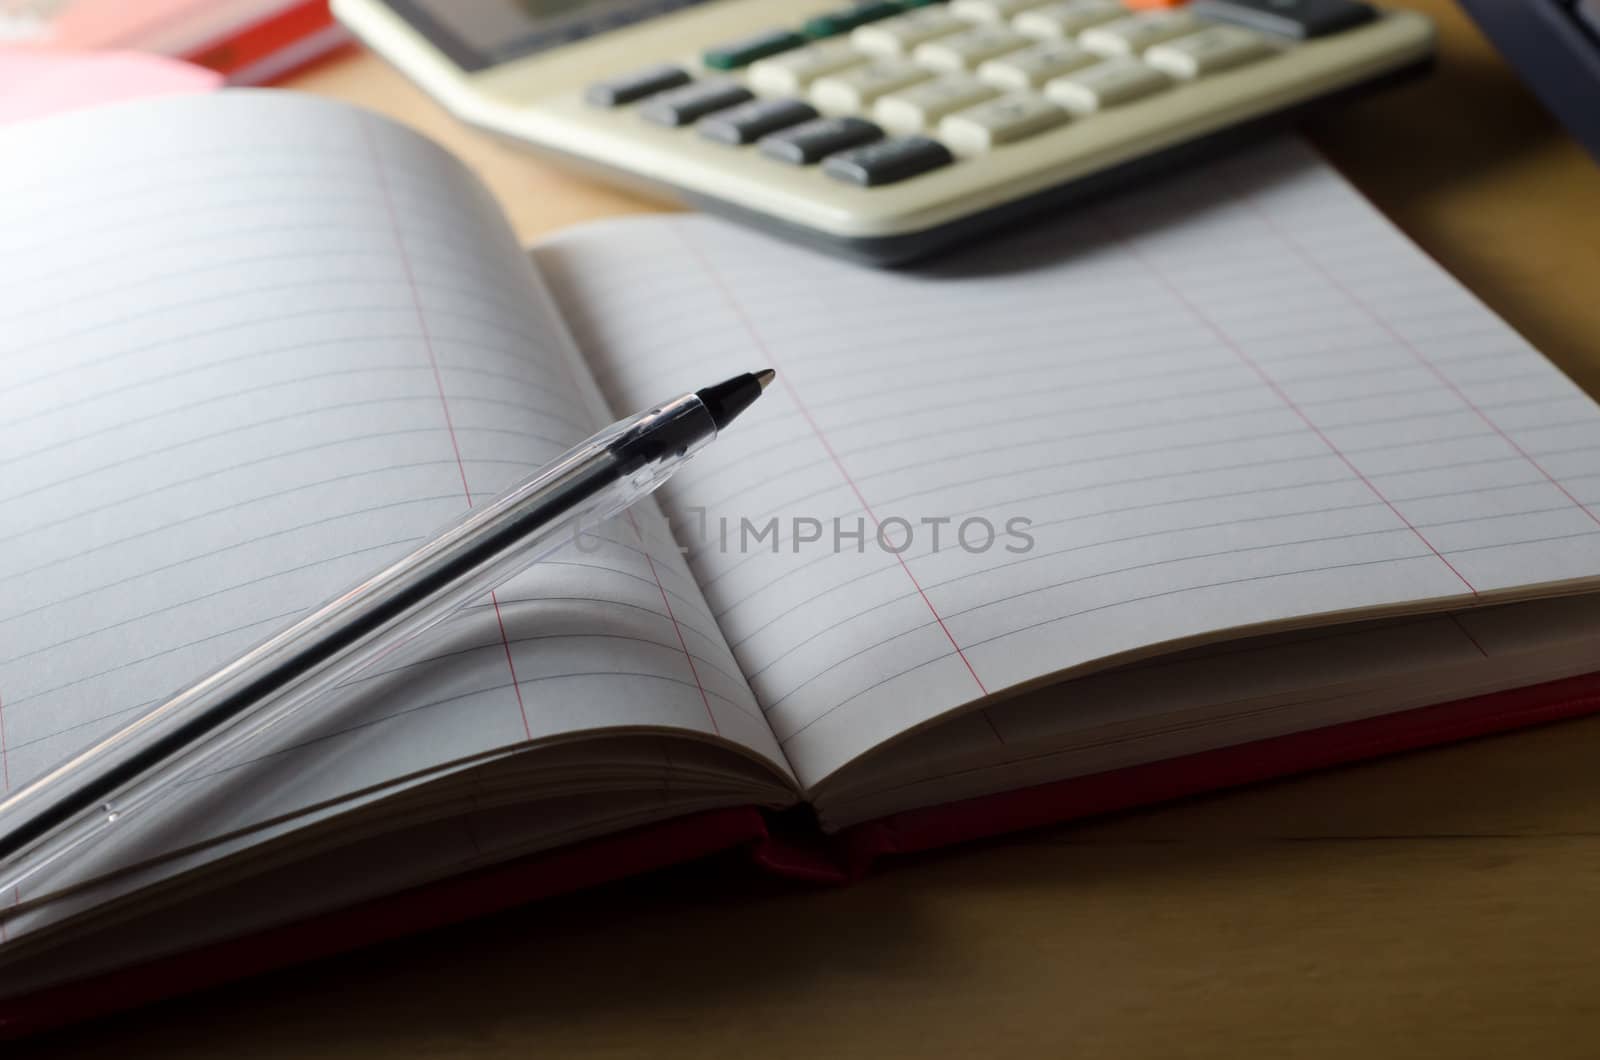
(35, 82)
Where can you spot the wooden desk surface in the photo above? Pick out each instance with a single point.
(1438, 904)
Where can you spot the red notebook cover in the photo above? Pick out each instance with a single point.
(809, 857)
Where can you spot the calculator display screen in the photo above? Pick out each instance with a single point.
(477, 34)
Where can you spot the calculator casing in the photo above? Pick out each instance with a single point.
(538, 102)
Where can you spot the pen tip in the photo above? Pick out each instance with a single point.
(727, 399)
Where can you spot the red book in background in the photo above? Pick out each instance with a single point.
(248, 42)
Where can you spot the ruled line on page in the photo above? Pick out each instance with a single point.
(205, 476)
(126, 387)
(191, 243)
(134, 620)
(190, 442)
(147, 572)
(191, 337)
(352, 194)
(365, 371)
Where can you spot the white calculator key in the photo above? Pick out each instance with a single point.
(999, 121)
(853, 90)
(1132, 35)
(898, 35)
(963, 51)
(1034, 65)
(1106, 85)
(1206, 52)
(991, 10)
(921, 106)
(1067, 18)
(790, 73)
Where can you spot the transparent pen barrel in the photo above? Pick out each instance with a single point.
(266, 687)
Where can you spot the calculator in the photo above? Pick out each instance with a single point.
(892, 129)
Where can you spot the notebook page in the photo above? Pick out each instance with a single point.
(1236, 398)
(252, 346)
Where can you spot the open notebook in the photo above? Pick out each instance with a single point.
(1215, 462)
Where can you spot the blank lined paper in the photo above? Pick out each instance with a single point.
(254, 346)
(1233, 400)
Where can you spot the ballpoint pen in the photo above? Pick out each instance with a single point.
(81, 800)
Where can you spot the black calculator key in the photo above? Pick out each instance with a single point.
(887, 161)
(815, 140)
(739, 53)
(1301, 19)
(635, 86)
(686, 105)
(749, 122)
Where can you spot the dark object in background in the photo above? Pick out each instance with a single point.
(1555, 47)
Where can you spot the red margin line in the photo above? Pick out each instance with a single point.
(693, 670)
(438, 382)
(1462, 626)
(1360, 303)
(5, 760)
(799, 405)
(5, 774)
(1227, 340)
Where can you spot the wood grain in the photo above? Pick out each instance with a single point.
(1437, 904)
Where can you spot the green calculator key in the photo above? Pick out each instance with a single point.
(848, 18)
(739, 53)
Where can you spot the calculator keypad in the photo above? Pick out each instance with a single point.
(898, 36)
(1067, 18)
(965, 50)
(858, 87)
(1000, 121)
(921, 106)
(1105, 85)
(993, 11)
(845, 19)
(739, 53)
(1208, 52)
(682, 106)
(791, 74)
(956, 80)
(887, 161)
(1133, 34)
(638, 85)
(813, 141)
(1031, 67)
(749, 122)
